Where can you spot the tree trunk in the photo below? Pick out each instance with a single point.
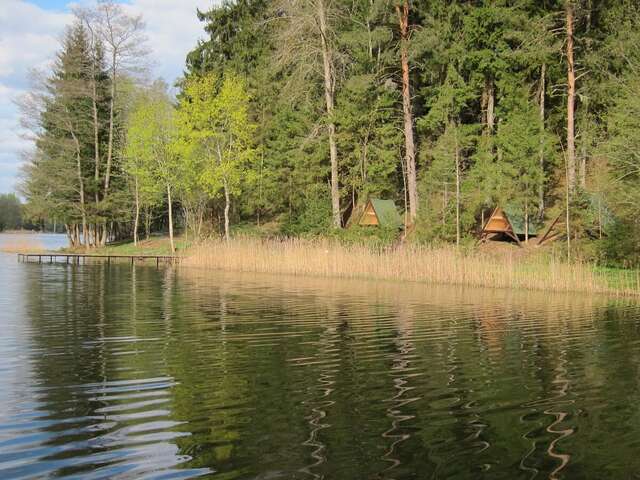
(329, 93)
(173, 248)
(567, 212)
(457, 154)
(137, 218)
(96, 134)
(187, 221)
(69, 232)
(227, 206)
(571, 94)
(444, 203)
(582, 171)
(107, 175)
(410, 154)
(489, 101)
(599, 218)
(147, 223)
(200, 222)
(526, 221)
(83, 208)
(543, 74)
(582, 168)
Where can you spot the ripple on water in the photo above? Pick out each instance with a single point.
(120, 372)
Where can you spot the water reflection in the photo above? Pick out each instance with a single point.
(119, 371)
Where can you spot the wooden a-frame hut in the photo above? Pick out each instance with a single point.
(506, 223)
(556, 229)
(381, 213)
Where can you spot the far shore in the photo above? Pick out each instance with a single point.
(26, 232)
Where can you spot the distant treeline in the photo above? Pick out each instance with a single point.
(292, 112)
(10, 212)
(12, 217)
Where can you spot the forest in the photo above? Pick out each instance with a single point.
(10, 212)
(291, 113)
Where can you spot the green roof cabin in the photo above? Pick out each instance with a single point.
(507, 223)
(381, 213)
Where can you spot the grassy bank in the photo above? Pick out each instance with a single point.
(153, 246)
(443, 265)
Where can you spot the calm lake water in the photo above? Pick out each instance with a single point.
(133, 372)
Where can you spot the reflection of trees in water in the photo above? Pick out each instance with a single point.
(400, 373)
(496, 368)
(88, 363)
(338, 379)
(320, 392)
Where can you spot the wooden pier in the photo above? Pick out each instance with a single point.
(82, 258)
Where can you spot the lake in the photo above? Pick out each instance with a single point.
(137, 372)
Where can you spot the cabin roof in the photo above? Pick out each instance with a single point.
(508, 220)
(516, 219)
(387, 212)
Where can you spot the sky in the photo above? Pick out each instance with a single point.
(30, 33)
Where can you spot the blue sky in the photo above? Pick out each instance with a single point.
(51, 4)
(30, 31)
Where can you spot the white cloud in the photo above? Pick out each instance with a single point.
(30, 36)
(173, 30)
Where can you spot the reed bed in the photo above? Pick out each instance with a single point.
(22, 245)
(442, 265)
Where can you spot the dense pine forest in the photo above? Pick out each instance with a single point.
(291, 113)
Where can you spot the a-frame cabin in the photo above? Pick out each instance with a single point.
(506, 223)
(380, 213)
(556, 229)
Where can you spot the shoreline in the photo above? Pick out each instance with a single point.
(408, 263)
(414, 264)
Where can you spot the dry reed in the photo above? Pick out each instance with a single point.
(442, 265)
(22, 244)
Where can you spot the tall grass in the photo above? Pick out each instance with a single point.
(443, 265)
(21, 244)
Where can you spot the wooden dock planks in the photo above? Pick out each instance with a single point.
(81, 258)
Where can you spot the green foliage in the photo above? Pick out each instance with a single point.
(149, 117)
(65, 138)
(369, 137)
(314, 217)
(369, 236)
(249, 136)
(10, 212)
(621, 246)
(149, 150)
(215, 126)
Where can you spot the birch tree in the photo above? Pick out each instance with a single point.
(152, 161)
(214, 124)
(125, 45)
